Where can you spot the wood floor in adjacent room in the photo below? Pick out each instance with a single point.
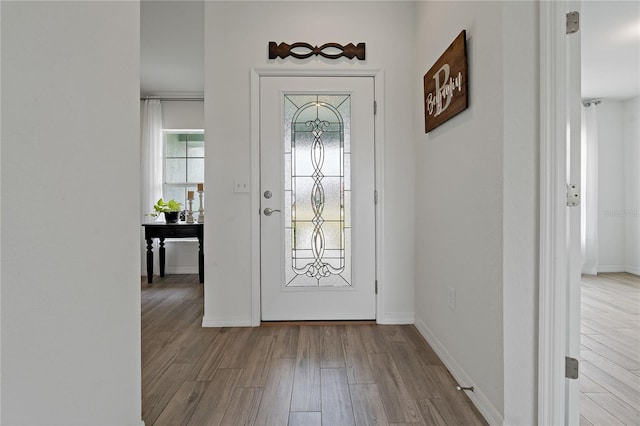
(610, 338)
(337, 374)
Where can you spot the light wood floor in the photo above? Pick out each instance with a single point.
(610, 338)
(294, 374)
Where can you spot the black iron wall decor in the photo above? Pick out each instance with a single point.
(302, 50)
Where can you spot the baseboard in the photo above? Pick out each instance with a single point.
(178, 270)
(611, 268)
(477, 397)
(635, 270)
(226, 322)
(395, 318)
(182, 270)
(590, 271)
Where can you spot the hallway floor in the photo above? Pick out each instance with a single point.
(610, 339)
(337, 374)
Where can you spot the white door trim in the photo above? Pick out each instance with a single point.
(553, 315)
(256, 73)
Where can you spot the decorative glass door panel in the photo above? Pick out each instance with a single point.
(317, 216)
(317, 190)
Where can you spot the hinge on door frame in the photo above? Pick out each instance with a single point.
(573, 22)
(376, 286)
(375, 196)
(571, 367)
(375, 107)
(573, 195)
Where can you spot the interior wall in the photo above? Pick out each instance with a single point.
(476, 191)
(70, 259)
(183, 114)
(631, 134)
(388, 30)
(611, 187)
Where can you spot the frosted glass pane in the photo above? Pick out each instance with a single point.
(195, 148)
(316, 249)
(176, 170)
(332, 154)
(347, 172)
(177, 193)
(195, 168)
(302, 154)
(175, 147)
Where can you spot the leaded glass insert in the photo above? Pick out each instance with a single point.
(317, 158)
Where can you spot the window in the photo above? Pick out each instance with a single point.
(183, 164)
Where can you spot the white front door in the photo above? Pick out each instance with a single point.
(317, 226)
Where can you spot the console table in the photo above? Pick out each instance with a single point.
(161, 231)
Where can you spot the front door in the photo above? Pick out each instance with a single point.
(317, 198)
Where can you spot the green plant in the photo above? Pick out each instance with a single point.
(166, 207)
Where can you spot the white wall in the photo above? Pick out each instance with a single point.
(231, 51)
(476, 194)
(70, 274)
(611, 187)
(181, 253)
(183, 114)
(631, 134)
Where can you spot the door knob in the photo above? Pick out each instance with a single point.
(269, 212)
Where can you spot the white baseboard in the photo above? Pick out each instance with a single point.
(478, 398)
(611, 268)
(175, 270)
(635, 270)
(395, 318)
(226, 322)
(182, 270)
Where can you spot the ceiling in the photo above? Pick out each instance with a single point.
(172, 48)
(610, 49)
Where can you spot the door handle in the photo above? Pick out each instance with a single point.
(269, 212)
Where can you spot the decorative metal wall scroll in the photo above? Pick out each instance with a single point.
(301, 50)
(445, 85)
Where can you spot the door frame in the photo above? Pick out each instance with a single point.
(378, 79)
(554, 251)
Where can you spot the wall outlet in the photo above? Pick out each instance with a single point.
(452, 298)
(241, 184)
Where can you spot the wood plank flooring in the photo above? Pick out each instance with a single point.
(610, 339)
(300, 374)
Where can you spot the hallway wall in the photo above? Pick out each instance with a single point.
(476, 191)
(231, 52)
(70, 221)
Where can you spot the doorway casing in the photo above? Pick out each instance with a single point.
(378, 77)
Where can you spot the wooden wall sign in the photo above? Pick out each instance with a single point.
(445, 85)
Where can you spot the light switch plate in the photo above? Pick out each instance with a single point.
(241, 184)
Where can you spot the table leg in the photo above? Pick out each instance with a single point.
(200, 260)
(162, 257)
(149, 260)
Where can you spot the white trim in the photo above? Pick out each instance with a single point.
(632, 270)
(255, 197)
(477, 397)
(181, 270)
(611, 268)
(396, 318)
(255, 74)
(553, 248)
(378, 78)
(208, 321)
